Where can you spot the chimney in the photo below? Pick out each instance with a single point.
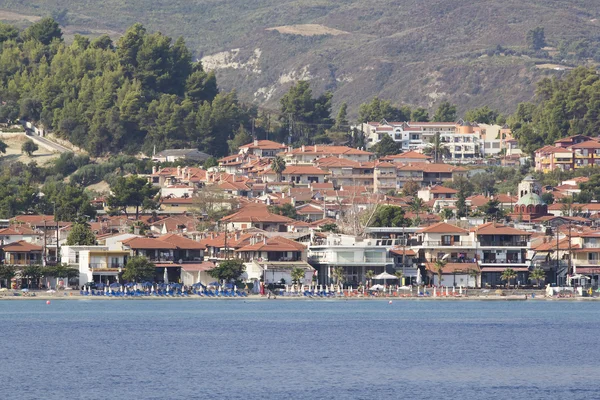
(178, 170)
(237, 236)
(315, 148)
(255, 142)
(303, 148)
(154, 169)
(264, 240)
(283, 195)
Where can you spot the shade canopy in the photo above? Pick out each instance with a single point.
(385, 275)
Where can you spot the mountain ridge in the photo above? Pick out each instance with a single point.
(405, 51)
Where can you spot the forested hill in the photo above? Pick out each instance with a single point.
(408, 51)
(145, 94)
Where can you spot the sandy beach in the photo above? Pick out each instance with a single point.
(72, 295)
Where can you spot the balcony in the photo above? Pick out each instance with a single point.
(340, 261)
(22, 262)
(106, 267)
(443, 243)
(585, 262)
(515, 262)
(507, 243)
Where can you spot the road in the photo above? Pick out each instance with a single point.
(50, 145)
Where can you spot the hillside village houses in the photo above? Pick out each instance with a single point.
(330, 186)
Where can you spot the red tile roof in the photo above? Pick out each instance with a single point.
(21, 247)
(264, 144)
(140, 243)
(254, 212)
(276, 243)
(492, 228)
(182, 243)
(443, 227)
(451, 268)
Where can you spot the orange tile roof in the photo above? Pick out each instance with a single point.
(325, 149)
(21, 247)
(337, 162)
(276, 243)
(141, 243)
(442, 189)
(16, 231)
(443, 227)
(254, 212)
(303, 170)
(451, 268)
(264, 144)
(552, 149)
(181, 242)
(478, 200)
(590, 144)
(409, 154)
(492, 228)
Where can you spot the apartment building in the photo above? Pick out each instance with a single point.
(568, 153)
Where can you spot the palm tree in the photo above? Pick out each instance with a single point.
(416, 205)
(474, 273)
(369, 276)
(297, 275)
(447, 213)
(538, 275)
(399, 275)
(278, 166)
(507, 275)
(437, 147)
(439, 269)
(339, 275)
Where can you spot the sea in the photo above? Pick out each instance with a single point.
(299, 349)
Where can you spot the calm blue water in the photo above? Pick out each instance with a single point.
(165, 349)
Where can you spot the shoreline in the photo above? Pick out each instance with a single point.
(78, 297)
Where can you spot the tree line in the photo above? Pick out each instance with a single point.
(143, 92)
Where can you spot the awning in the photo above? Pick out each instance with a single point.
(502, 269)
(204, 266)
(589, 270)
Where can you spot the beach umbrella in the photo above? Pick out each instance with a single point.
(434, 292)
(166, 276)
(326, 290)
(419, 277)
(453, 290)
(460, 290)
(446, 291)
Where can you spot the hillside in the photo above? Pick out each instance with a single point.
(407, 51)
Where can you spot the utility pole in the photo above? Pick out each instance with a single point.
(403, 250)
(569, 271)
(557, 260)
(57, 234)
(225, 243)
(45, 259)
